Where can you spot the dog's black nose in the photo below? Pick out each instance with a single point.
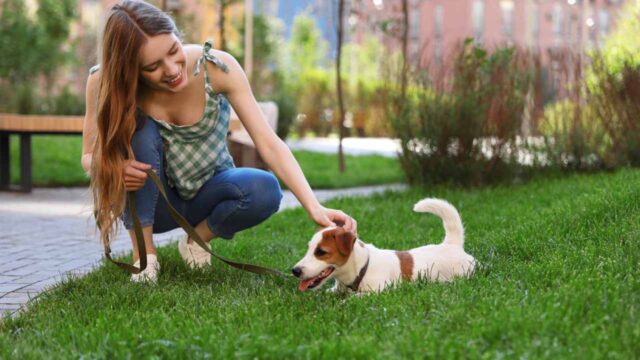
(297, 271)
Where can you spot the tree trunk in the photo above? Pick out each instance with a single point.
(248, 38)
(405, 49)
(221, 19)
(339, 85)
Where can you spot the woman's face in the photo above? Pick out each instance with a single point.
(163, 63)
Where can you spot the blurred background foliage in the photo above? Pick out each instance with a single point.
(493, 114)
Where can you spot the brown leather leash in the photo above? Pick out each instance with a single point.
(184, 224)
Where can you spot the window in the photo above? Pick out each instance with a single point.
(603, 21)
(507, 17)
(414, 24)
(477, 18)
(535, 21)
(438, 21)
(557, 19)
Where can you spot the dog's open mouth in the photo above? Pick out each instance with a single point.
(315, 281)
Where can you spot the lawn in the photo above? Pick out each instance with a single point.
(56, 161)
(559, 279)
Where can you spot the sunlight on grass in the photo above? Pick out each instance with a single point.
(558, 278)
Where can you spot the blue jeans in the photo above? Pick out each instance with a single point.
(232, 200)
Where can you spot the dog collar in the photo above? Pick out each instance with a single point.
(356, 283)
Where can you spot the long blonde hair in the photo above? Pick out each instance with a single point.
(128, 25)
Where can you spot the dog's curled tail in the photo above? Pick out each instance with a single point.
(454, 232)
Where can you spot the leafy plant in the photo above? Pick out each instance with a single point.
(463, 127)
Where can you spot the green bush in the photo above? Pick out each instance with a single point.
(25, 99)
(613, 88)
(464, 128)
(576, 138)
(284, 97)
(615, 96)
(66, 103)
(314, 92)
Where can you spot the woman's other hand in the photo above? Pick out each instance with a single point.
(135, 175)
(331, 217)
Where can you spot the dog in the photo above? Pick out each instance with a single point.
(360, 267)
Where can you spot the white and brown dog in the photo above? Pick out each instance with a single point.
(336, 253)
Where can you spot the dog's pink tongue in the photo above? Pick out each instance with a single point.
(304, 284)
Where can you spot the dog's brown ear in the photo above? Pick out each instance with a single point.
(344, 241)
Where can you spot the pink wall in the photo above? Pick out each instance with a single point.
(575, 32)
(457, 24)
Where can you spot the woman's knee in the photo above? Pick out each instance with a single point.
(263, 192)
(260, 190)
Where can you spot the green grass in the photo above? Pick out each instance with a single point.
(559, 279)
(56, 162)
(321, 170)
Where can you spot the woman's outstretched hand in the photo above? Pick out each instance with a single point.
(135, 175)
(331, 217)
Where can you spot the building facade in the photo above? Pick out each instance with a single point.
(436, 27)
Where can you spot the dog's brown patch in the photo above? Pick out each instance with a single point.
(337, 245)
(406, 264)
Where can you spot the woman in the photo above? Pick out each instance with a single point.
(145, 111)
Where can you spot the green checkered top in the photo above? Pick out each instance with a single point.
(193, 153)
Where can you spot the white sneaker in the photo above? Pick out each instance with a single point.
(150, 273)
(193, 254)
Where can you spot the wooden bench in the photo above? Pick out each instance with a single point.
(240, 145)
(25, 126)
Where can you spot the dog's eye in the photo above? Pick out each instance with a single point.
(319, 252)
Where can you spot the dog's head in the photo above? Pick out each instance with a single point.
(329, 249)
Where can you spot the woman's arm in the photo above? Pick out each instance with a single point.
(89, 127)
(272, 149)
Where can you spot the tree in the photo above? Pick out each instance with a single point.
(53, 20)
(265, 51)
(17, 35)
(622, 46)
(405, 49)
(222, 7)
(32, 47)
(306, 49)
(339, 86)
(304, 64)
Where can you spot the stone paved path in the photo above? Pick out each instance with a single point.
(48, 234)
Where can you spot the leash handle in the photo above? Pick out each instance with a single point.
(184, 224)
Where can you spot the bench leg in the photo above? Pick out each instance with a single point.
(25, 163)
(5, 164)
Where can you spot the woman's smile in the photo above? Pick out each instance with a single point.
(176, 80)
